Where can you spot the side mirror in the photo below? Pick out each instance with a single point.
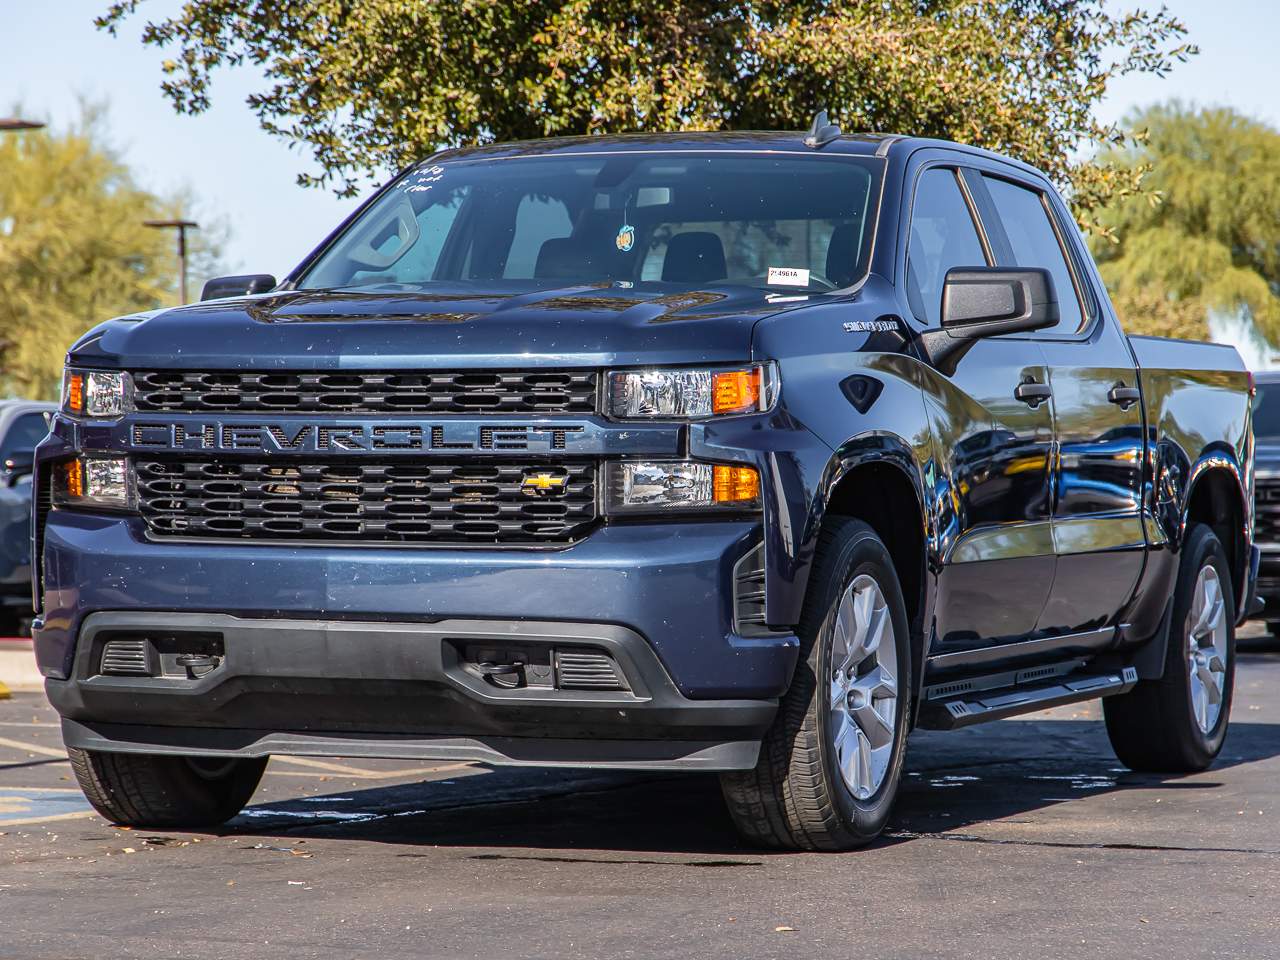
(237, 286)
(15, 467)
(988, 301)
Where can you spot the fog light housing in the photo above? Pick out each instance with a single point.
(657, 487)
(94, 482)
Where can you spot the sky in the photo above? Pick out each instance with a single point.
(52, 58)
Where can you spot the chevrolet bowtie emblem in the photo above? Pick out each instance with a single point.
(543, 484)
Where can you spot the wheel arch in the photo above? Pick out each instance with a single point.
(875, 478)
(1215, 497)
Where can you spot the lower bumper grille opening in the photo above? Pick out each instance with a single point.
(584, 670)
(126, 658)
(481, 502)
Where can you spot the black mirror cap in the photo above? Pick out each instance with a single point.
(988, 301)
(237, 286)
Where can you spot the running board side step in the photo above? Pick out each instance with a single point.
(979, 706)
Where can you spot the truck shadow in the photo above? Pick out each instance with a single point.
(952, 781)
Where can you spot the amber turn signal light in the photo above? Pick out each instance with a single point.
(75, 393)
(73, 478)
(735, 484)
(736, 391)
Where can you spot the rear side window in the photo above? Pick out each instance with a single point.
(943, 236)
(1025, 219)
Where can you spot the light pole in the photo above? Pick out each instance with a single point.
(16, 123)
(182, 226)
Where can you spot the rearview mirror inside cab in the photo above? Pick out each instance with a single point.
(988, 301)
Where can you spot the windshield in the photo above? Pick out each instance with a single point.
(1266, 412)
(788, 222)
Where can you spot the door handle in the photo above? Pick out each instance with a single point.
(1032, 393)
(1126, 397)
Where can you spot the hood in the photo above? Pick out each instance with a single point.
(459, 325)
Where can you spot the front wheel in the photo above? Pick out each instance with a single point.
(148, 790)
(1177, 724)
(829, 766)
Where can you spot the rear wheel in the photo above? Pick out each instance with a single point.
(829, 766)
(1177, 724)
(146, 790)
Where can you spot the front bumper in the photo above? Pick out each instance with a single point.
(401, 690)
(671, 584)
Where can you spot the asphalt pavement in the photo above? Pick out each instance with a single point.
(1020, 839)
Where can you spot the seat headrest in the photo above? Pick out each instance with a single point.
(842, 254)
(694, 257)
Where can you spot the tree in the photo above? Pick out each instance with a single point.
(73, 250)
(1207, 236)
(371, 85)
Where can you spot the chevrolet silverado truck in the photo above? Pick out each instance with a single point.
(743, 453)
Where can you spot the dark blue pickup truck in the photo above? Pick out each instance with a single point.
(743, 453)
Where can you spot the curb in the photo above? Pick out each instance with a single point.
(18, 669)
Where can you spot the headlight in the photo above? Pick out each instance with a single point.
(692, 394)
(94, 482)
(95, 393)
(660, 487)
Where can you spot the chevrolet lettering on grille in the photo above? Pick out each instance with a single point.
(329, 438)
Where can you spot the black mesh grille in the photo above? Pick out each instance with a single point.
(1266, 505)
(477, 502)
(484, 391)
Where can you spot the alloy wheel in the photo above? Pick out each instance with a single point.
(863, 689)
(1206, 648)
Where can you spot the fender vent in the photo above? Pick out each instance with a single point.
(583, 670)
(126, 658)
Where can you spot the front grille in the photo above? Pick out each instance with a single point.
(483, 391)
(1266, 505)
(426, 502)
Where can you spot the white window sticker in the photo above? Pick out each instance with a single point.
(788, 277)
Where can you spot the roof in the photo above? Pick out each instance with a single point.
(847, 144)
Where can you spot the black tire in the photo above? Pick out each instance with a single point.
(1153, 728)
(146, 790)
(795, 797)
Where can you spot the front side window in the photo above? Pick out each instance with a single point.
(943, 237)
(1035, 244)
(679, 218)
(24, 434)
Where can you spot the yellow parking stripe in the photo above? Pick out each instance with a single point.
(27, 821)
(33, 748)
(360, 773)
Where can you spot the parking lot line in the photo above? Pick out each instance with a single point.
(359, 773)
(28, 821)
(33, 748)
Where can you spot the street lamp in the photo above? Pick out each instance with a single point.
(15, 123)
(182, 226)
